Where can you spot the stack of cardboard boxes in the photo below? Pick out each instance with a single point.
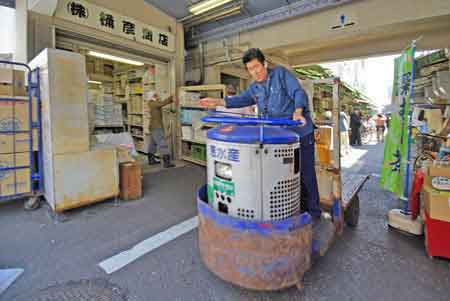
(12, 82)
(324, 144)
(14, 147)
(436, 213)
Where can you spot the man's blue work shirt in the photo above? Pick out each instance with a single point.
(276, 97)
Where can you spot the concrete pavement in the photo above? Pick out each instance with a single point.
(370, 262)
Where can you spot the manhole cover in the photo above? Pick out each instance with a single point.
(83, 290)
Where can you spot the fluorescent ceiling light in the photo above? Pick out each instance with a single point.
(216, 17)
(94, 82)
(114, 58)
(206, 5)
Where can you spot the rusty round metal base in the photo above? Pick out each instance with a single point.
(252, 254)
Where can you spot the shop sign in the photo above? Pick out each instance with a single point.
(87, 14)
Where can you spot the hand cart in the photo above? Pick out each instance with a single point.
(251, 231)
(22, 178)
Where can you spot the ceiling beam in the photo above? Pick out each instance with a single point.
(431, 33)
(284, 13)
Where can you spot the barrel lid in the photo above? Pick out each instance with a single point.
(251, 134)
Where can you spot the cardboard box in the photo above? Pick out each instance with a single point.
(439, 171)
(14, 181)
(136, 88)
(14, 115)
(437, 203)
(325, 136)
(12, 82)
(6, 89)
(20, 112)
(9, 76)
(323, 154)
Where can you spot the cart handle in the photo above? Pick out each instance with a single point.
(15, 64)
(252, 121)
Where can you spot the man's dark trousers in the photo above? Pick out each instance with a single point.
(309, 188)
(356, 136)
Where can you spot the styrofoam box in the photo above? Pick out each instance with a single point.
(64, 101)
(187, 132)
(189, 97)
(200, 134)
(76, 181)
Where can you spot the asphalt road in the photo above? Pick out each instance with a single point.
(370, 262)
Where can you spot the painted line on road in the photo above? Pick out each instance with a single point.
(375, 175)
(124, 258)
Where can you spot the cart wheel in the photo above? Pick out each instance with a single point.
(351, 215)
(32, 203)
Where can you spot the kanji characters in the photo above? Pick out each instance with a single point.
(128, 28)
(107, 20)
(77, 9)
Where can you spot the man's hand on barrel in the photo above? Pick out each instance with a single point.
(298, 115)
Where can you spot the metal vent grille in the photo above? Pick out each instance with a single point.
(285, 199)
(284, 153)
(246, 213)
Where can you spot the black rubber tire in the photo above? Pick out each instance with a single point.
(351, 215)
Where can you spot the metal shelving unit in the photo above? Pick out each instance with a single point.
(34, 127)
(204, 89)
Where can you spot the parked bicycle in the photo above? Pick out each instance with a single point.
(428, 146)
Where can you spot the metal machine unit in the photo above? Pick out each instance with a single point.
(253, 171)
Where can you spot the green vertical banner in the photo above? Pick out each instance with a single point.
(394, 168)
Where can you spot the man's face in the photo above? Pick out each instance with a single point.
(257, 70)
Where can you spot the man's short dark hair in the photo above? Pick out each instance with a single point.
(253, 53)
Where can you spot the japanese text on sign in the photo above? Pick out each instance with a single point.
(220, 153)
(77, 9)
(128, 28)
(107, 20)
(88, 14)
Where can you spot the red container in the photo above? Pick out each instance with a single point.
(437, 237)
